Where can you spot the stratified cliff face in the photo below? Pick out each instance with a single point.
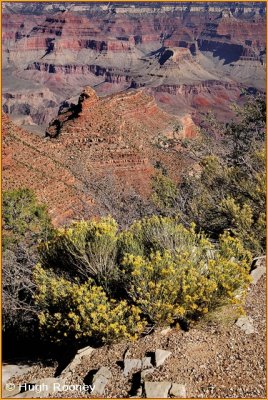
(175, 49)
(123, 135)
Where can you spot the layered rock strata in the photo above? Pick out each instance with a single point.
(115, 47)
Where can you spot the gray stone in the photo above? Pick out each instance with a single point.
(104, 371)
(85, 352)
(85, 349)
(100, 380)
(11, 370)
(146, 363)
(131, 364)
(178, 390)
(246, 325)
(43, 388)
(157, 390)
(146, 372)
(259, 271)
(161, 356)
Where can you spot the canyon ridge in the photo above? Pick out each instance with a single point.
(94, 87)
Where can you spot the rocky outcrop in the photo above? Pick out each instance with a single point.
(114, 136)
(157, 390)
(84, 352)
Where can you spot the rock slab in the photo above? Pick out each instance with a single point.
(146, 363)
(100, 380)
(259, 270)
(178, 390)
(85, 352)
(157, 390)
(131, 364)
(161, 356)
(10, 370)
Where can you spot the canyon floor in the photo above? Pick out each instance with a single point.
(213, 359)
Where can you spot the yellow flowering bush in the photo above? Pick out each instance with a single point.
(163, 273)
(72, 311)
(187, 280)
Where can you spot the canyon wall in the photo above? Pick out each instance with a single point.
(114, 47)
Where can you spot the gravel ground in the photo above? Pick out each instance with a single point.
(214, 359)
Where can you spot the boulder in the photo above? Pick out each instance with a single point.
(161, 356)
(178, 390)
(84, 352)
(157, 390)
(246, 325)
(131, 364)
(100, 380)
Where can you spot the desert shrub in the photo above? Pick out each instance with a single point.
(165, 194)
(164, 272)
(112, 197)
(24, 218)
(156, 233)
(86, 249)
(77, 313)
(19, 310)
(25, 223)
(228, 197)
(188, 277)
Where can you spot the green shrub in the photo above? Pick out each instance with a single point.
(165, 194)
(157, 234)
(85, 250)
(24, 219)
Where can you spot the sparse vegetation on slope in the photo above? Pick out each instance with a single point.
(227, 191)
